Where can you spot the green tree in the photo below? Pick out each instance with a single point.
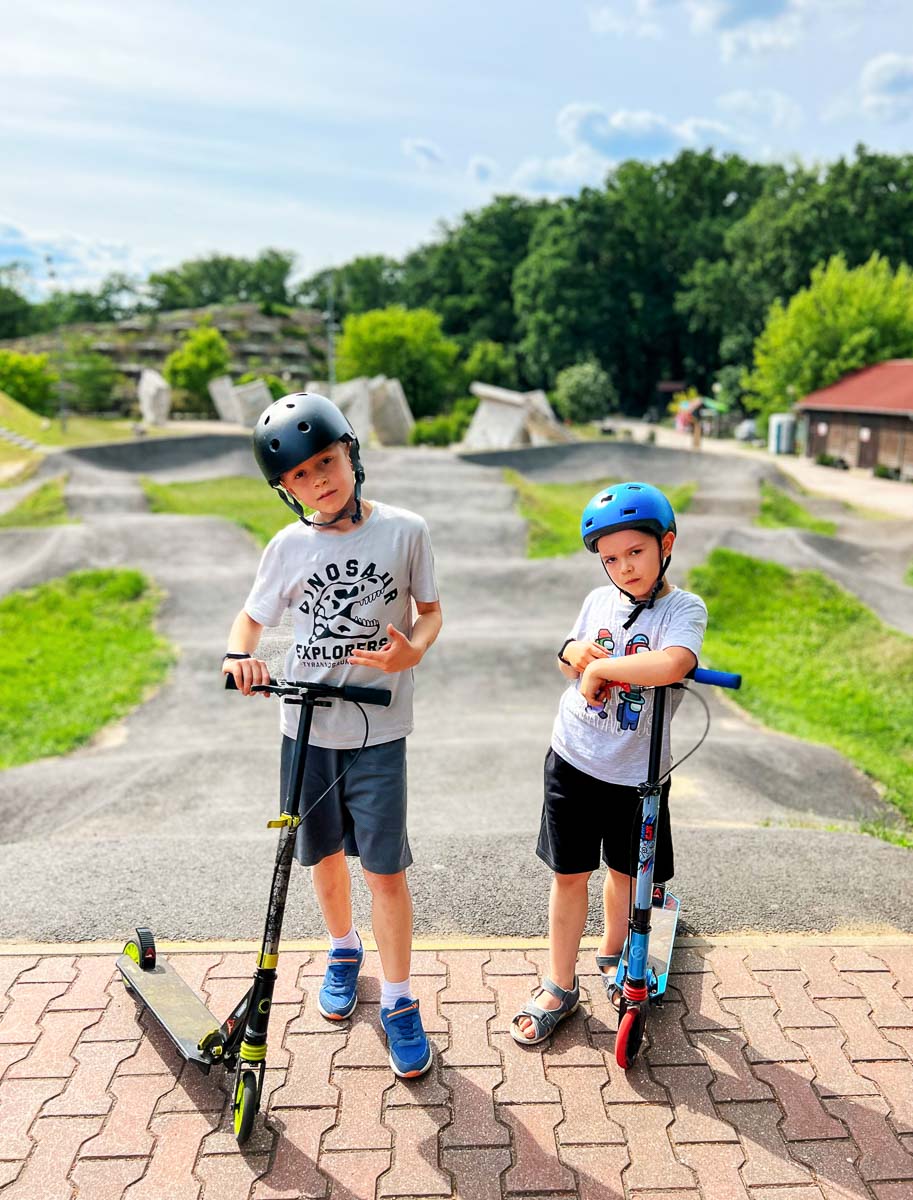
(202, 355)
(584, 392)
(490, 362)
(405, 344)
(604, 269)
(15, 310)
(365, 283)
(92, 378)
(802, 218)
(116, 297)
(28, 378)
(222, 279)
(845, 319)
(467, 274)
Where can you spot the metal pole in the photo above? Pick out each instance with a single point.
(331, 331)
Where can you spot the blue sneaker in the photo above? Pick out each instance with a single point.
(338, 996)
(410, 1053)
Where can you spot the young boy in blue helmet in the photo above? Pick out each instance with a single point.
(638, 633)
(350, 571)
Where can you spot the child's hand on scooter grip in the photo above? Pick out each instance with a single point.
(246, 673)
(581, 654)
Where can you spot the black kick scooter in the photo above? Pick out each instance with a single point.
(239, 1043)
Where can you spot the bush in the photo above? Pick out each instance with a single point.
(278, 388)
(446, 428)
(201, 356)
(405, 344)
(491, 362)
(29, 379)
(880, 471)
(90, 380)
(584, 392)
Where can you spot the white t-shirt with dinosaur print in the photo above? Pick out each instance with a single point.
(343, 589)
(612, 741)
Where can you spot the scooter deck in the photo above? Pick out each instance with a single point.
(663, 922)
(183, 1016)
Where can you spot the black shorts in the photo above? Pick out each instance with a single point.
(582, 816)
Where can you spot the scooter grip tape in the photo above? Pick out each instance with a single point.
(716, 678)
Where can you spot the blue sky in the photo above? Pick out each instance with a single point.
(134, 136)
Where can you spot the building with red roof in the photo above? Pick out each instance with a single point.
(865, 418)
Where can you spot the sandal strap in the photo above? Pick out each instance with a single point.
(562, 994)
(544, 1019)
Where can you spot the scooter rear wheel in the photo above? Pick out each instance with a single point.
(630, 1035)
(245, 1105)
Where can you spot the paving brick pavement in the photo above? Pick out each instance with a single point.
(776, 1071)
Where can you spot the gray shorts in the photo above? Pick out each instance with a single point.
(364, 814)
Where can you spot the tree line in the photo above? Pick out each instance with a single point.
(669, 271)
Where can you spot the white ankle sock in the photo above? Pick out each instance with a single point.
(351, 941)
(392, 993)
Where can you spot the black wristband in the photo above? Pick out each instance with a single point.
(561, 657)
(232, 654)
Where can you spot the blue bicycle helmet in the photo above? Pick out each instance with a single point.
(629, 506)
(626, 506)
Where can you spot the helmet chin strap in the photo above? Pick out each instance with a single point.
(296, 508)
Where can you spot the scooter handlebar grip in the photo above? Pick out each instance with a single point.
(231, 686)
(717, 678)
(380, 696)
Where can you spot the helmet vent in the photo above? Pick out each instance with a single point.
(266, 419)
(303, 425)
(289, 406)
(274, 444)
(629, 512)
(607, 498)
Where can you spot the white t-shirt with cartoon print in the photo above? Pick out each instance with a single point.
(612, 742)
(343, 589)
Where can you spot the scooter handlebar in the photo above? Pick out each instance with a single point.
(360, 695)
(716, 678)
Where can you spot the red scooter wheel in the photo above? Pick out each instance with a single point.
(629, 1036)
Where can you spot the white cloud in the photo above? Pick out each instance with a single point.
(423, 153)
(886, 84)
(481, 169)
(598, 139)
(766, 105)
(58, 259)
(608, 21)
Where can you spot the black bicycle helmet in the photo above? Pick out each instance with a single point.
(295, 428)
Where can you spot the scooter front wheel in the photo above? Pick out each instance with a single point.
(245, 1105)
(630, 1035)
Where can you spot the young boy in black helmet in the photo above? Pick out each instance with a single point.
(639, 634)
(350, 570)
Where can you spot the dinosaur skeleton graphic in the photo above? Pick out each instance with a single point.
(335, 610)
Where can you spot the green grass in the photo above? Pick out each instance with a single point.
(778, 509)
(16, 464)
(44, 506)
(78, 652)
(816, 663)
(248, 502)
(552, 510)
(908, 578)
(80, 431)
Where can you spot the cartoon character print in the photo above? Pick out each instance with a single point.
(603, 638)
(336, 609)
(633, 698)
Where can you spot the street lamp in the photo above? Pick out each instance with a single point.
(62, 385)
(329, 318)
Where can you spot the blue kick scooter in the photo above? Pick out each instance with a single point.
(643, 971)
